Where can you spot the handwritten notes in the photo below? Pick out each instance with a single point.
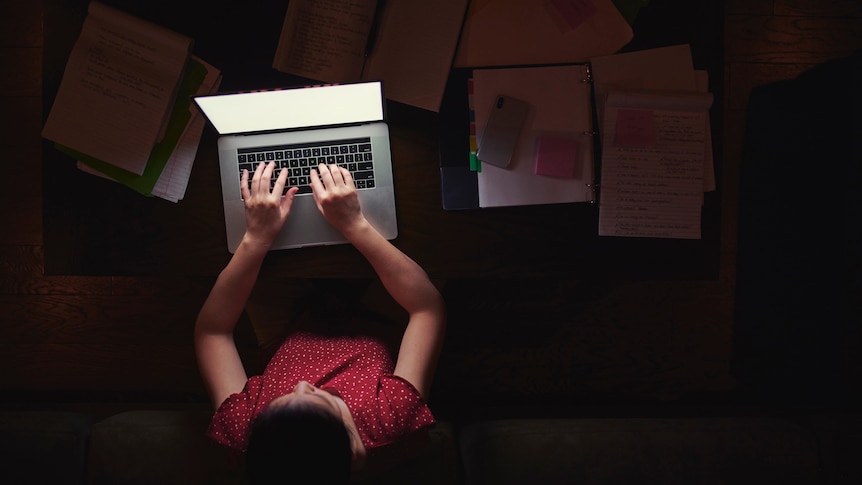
(652, 165)
(122, 74)
(325, 39)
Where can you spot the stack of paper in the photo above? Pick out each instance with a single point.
(657, 160)
(409, 45)
(124, 110)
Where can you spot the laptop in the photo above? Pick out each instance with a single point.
(297, 128)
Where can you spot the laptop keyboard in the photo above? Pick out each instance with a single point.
(354, 154)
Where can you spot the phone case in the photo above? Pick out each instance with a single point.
(498, 140)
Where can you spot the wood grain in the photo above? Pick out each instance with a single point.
(21, 274)
(819, 8)
(21, 23)
(793, 40)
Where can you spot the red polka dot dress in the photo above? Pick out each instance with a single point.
(384, 407)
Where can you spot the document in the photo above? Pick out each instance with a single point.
(560, 109)
(523, 32)
(118, 88)
(652, 164)
(409, 45)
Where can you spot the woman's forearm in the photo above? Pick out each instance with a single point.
(226, 300)
(403, 278)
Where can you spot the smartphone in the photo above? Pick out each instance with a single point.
(498, 140)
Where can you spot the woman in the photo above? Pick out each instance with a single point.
(323, 403)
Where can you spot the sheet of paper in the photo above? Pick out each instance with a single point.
(522, 32)
(654, 190)
(662, 69)
(117, 88)
(414, 51)
(174, 179)
(328, 40)
(702, 80)
(560, 106)
(325, 39)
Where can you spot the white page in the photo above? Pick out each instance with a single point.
(665, 69)
(702, 79)
(117, 88)
(174, 179)
(414, 51)
(324, 39)
(560, 106)
(661, 69)
(656, 189)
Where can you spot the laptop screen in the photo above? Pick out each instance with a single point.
(293, 108)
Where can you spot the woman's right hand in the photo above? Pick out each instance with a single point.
(335, 195)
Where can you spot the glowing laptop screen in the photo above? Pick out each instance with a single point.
(293, 108)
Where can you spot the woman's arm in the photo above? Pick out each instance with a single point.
(219, 362)
(403, 278)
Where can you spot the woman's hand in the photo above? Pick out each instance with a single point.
(265, 210)
(335, 195)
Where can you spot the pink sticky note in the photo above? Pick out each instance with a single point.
(574, 12)
(635, 127)
(556, 157)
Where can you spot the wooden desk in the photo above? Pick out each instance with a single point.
(97, 227)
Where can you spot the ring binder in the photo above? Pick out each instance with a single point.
(588, 74)
(594, 189)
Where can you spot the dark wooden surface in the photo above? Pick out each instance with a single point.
(66, 336)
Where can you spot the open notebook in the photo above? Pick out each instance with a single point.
(568, 105)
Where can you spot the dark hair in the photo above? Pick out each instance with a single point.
(295, 440)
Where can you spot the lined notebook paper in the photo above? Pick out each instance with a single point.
(653, 164)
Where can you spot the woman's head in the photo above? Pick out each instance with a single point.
(300, 431)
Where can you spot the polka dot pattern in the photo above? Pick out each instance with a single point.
(385, 407)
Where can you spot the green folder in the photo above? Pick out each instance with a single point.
(630, 8)
(180, 116)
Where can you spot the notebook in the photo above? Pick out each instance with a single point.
(560, 112)
(643, 160)
(298, 128)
